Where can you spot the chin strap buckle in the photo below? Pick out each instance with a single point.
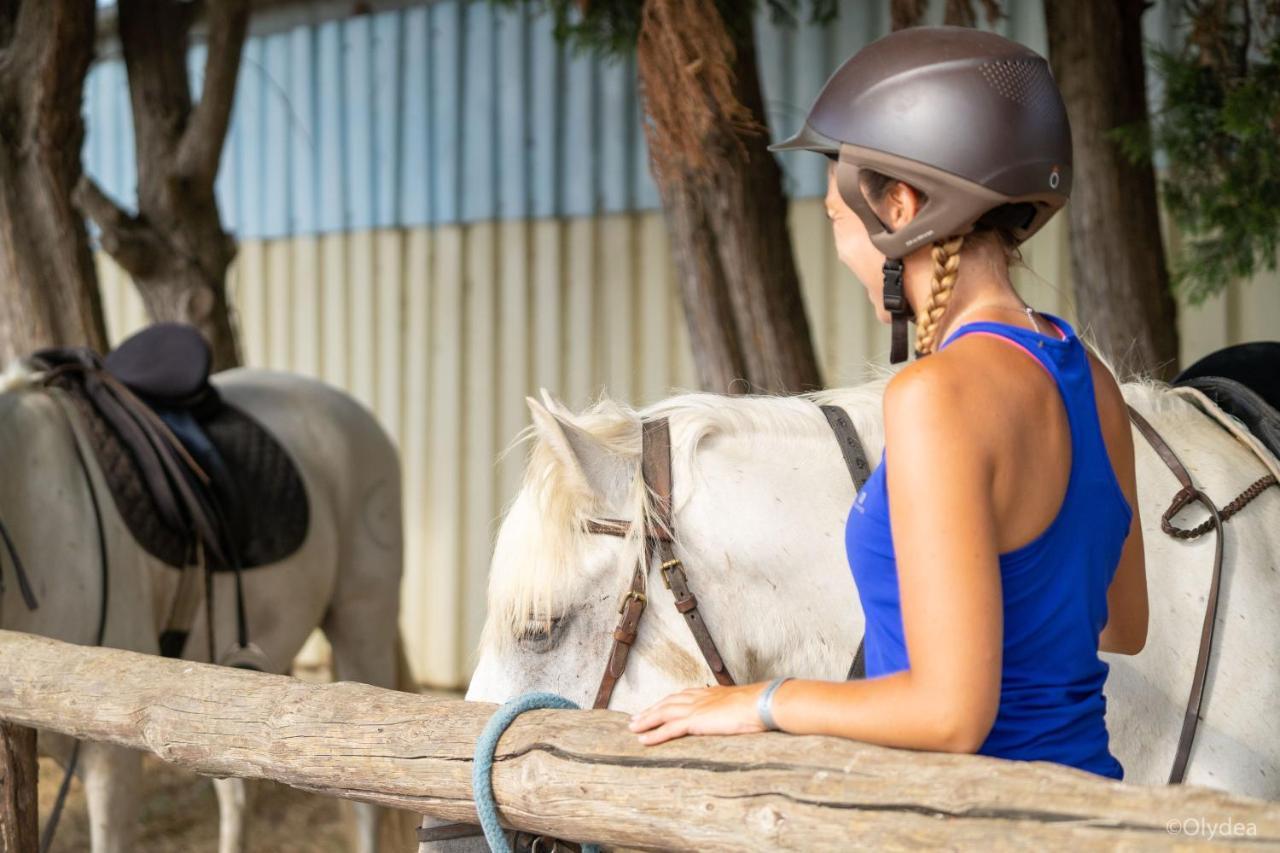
(895, 302)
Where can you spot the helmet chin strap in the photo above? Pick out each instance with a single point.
(895, 302)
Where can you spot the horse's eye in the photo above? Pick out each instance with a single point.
(540, 635)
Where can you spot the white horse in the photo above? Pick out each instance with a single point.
(761, 495)
(344, 578)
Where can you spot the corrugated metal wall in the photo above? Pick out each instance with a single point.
(441, 211)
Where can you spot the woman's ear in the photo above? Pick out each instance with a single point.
(903, 204)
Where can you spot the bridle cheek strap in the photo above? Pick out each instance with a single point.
(655, 465)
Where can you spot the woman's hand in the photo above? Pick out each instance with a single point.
(700, 711)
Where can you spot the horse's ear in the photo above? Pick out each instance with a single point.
(600, 470)
(555, 406)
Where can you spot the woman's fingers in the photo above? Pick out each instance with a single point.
(661, 711)
(667, 731)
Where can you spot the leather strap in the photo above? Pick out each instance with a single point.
(630, 609)
(855, 459)
(186, 603)
(655, 466)
(858, 669)
(620, 528)
(855, 456)
(1189, 493)
(447, 832)
(1182, 498)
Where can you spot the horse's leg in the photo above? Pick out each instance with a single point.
(233, 797)
(362, 623)
(363, 634)
(111, 776)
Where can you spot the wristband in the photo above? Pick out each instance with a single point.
(764, 705)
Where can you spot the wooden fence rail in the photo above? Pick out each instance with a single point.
(582, 775)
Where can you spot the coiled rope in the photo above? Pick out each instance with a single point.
(482, 768)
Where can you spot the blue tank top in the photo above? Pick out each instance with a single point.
(1055, 587)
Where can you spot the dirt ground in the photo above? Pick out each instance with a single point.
(180, 814)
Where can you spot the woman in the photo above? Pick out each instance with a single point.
(997, 546)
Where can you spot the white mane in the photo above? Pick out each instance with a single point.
(17, 375)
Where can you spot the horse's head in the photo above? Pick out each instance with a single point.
(759, 499)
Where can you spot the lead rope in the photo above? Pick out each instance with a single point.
(482, 769)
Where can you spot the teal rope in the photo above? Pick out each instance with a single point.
(482, 769)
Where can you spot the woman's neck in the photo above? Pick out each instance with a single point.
(980, 289)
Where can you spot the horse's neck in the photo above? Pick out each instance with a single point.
(764, 533)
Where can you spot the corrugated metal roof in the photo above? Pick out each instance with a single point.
(456, 111)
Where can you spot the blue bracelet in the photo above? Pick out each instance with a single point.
(764, 705)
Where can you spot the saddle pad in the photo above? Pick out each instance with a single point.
(1244, 404)
(1202, 401)
(269, 520)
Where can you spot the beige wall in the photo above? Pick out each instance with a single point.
(443, 332)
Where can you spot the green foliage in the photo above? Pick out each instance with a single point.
(1219, 127)
(610, 27)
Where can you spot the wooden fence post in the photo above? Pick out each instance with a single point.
(19, 808)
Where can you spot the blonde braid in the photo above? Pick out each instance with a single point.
(946, 265)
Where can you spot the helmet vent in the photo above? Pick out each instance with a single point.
(1023, 81)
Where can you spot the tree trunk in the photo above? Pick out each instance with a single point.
(723, 201)
(175, 248)
(1117, 255)
(19, 808)
(48, 286)
(713, 333)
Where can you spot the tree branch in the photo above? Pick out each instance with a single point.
(126, 238)
(202, 141)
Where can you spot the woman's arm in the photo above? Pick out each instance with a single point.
(1126, 629)
(944, 535)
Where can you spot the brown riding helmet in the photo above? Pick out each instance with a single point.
(972, 119)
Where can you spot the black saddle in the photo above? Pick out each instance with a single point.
(183, 466)
(1254, 365)
(1244, 381)
(166, 364)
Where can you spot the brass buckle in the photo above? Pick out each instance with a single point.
(629, 594)
(666, 567)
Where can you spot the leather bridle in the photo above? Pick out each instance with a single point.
(655, 465)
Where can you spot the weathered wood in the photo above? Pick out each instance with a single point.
(19, 808)
(581, 774)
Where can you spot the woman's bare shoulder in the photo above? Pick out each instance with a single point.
(945, 397)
